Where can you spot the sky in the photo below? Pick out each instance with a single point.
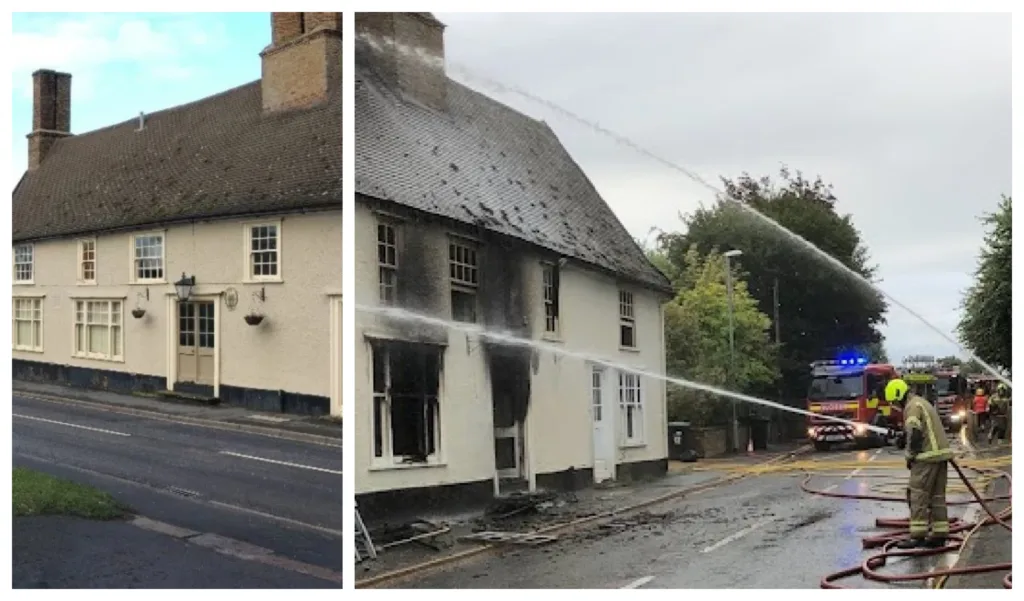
(124, 63)
(907, 115)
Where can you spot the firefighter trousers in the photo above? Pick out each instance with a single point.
(927, 496)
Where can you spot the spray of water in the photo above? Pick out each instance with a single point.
(541, 346)
(438, 62)
(800, 241)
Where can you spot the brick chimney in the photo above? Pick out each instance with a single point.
(407, 50)
(51, 113)
(302, 65)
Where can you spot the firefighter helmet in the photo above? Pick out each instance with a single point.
(896, 390)
(1002, 389)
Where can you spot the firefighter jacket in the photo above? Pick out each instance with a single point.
(999, 404)
(922, 416)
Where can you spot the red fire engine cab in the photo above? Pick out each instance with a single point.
(850, 389)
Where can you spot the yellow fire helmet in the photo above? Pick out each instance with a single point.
(896, 391)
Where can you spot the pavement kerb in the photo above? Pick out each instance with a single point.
(235, 548)
(450, 559)
(964, 555)
(192, 421)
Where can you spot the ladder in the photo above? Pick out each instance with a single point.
(363, 543)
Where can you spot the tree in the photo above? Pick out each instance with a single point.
(985, 323)
(822, 312)
(697, 340)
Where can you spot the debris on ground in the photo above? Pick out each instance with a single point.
(422, 532)
(515, 538)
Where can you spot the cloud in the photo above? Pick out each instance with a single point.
(91, 46)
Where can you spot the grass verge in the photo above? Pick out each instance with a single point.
(36, 493)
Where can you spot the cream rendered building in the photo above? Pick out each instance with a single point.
(237, 195)
(467, 210)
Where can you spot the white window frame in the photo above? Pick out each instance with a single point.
(627, 317)
(550, 296)
(248, 252)
(37, 303)
(387, 458)
(460, 284)
(631, 397)
(385, 266)
(83, 322)
(133, 263)
(31, 264)
(82, 280)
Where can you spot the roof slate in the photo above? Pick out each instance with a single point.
(217, 157)
(483, 163)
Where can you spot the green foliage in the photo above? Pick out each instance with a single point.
(697, 339)
(36, 493)
(822, 311)
(985, 324)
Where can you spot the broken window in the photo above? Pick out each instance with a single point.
(464, 275)
(406, 381)
(631, 408)
(627, 320)
(551, 285)
(387, 262)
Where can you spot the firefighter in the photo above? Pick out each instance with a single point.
(999, 407)
(928, 456)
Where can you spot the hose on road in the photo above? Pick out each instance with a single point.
(869, 567)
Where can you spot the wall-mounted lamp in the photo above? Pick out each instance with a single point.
(183, 287)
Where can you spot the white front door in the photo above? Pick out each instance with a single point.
(604, 427)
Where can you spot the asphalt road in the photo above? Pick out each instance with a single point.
(278, 494)
(759, 532)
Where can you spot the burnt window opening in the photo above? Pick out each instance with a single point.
(551, 294)
(387, 263)
(406, 417)
(627, 320)
(463, 272)
(631, 409)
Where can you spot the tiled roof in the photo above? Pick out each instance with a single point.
(219, 156)
(485, 164)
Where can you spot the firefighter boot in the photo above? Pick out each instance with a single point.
(912, 543)
(935, 542)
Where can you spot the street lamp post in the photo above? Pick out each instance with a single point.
(732, 343)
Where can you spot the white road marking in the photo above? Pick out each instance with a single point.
(288, 463)
(638, 582)
(830, 487)
(738, 535)
(50, 421)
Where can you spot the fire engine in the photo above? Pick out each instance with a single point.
(851, 389)
(953, 398)
(944, 388)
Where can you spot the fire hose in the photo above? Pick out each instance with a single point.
(869, 567)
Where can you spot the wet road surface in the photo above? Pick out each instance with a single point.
(759, 532)
(270, 492)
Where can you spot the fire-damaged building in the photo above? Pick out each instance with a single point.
(471, 212)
